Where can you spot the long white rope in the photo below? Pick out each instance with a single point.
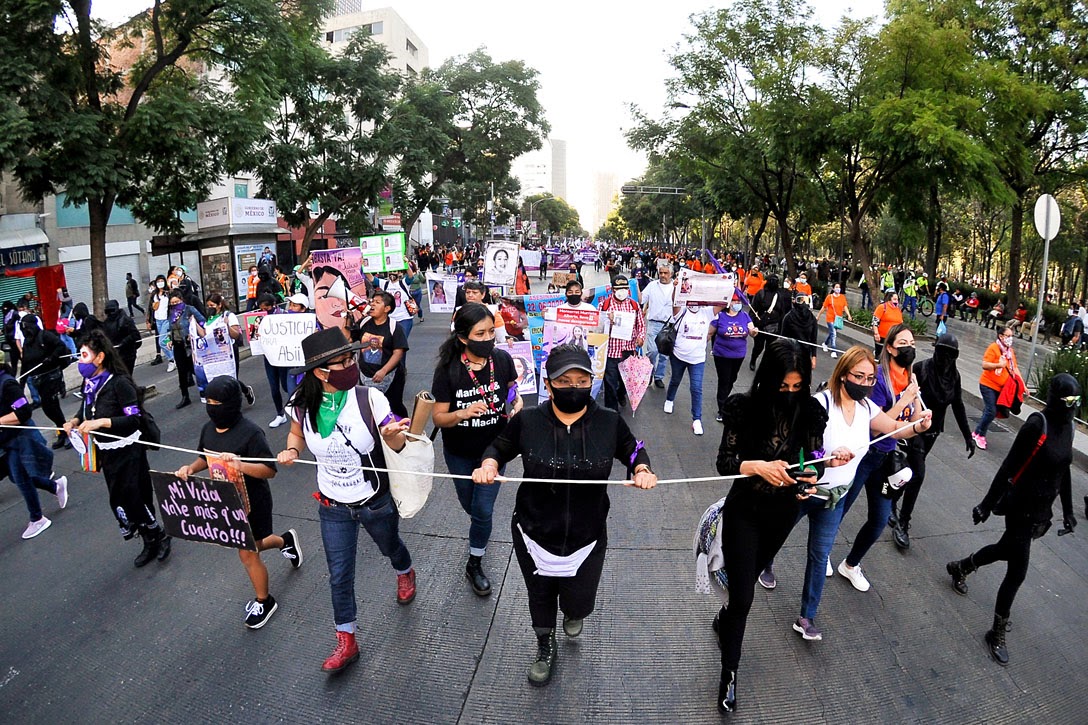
(436, 474)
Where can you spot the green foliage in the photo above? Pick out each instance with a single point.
(554, 215)
(1067, 360)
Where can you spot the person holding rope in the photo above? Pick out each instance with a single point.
(111, 404)
(353, 487)
(560, 529)
(473, 384)
(45, 357)
(230, 436)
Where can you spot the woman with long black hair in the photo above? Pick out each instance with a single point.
(475, 392)
(111, 404)
(767, 429)
(1033, 474)
(340, 424)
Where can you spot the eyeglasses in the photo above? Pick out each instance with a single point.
(863, 379)
(341, 364)
(1071, 401)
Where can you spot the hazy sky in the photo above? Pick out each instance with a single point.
(595, 57)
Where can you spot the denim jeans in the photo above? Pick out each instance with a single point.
(615, 392)
(880, 508)
(69, 343)
(823, 526)
(163, 328)
(653, 327)
(831, 335)
(989, 408)
(278, 380)
(407, 325)
(866, 299)
(340, 535)
(32, 389)
(910, 304)
(418, 297)
(30, 462)
(477, 500)
(695, 381)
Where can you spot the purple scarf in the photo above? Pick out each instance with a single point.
(91, 386)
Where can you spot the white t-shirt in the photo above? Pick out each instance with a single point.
(340, 480)
(691, 335)
(164, 304)
(401, 295)
(19, 337)
(658, 299)
(838, 434)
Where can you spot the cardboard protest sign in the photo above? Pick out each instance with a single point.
(522, 353)
(213, 354)
(282, 335)
(251, 322)
(203, 510)
(383, 253)
(696, 288)
(441, 292)
(500, 263)
(349, 261)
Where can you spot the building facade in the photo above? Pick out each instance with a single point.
(543, 170)
(407, 52)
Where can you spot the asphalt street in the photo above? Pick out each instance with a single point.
(88, 638)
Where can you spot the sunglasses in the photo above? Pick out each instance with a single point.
(1071, 401)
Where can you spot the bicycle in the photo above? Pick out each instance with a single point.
(925, 306)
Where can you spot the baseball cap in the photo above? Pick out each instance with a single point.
(565, 358)
(299, 299)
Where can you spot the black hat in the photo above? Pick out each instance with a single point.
(322, 346)
(564, 358)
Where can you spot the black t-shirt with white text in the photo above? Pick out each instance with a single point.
(453, 385)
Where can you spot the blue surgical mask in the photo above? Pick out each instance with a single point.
(736, 307)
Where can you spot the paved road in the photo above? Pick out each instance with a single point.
(86, 637)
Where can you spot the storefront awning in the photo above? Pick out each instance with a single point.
(22, 238)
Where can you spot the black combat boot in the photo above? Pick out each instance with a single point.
(959, 571)
(474, 570)
(727, 691)
(995, 638)
(540, 672)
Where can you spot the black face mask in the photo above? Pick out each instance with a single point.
(857, 392)
(225, 415)
(788, 399)
(945, 357)
(481, 348)
(571, 400)
(905, 356)
(574, 299)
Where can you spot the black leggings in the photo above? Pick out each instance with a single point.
(1014, 546)
(727, 368)
(918, 449)
(754, 527)
(576, 595)
(49, 390)
(761, 341)
(128, 480)
(184, 368)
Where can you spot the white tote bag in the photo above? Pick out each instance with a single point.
(409, 468)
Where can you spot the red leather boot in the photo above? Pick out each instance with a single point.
(345, 653)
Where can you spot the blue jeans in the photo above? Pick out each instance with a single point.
(278, 380)
(910, 304)
(653, 327)
(69, 343)
(477, 500)
(695, 381)
(407, 325)
(30, 462)
(866, 299)
(163, 328)
(32, 389)
(880, 508)
(823, 526)
(989, 408)
(418, 297)
(831, 335)
(340, 535)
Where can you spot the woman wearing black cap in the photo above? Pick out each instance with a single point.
(1033, 474)
(559, 530)
(939, 386)
(340, 424)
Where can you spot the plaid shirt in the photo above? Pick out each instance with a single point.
(616, 346)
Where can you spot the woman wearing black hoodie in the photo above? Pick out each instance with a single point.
(768, 306)
(1033, 474)
(800, 324)
(44, 359)
(939, 385)
(559, 530)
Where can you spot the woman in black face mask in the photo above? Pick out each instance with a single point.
(475, 391)
(232, 436)
(340, 424)
(559, 530)
(1033, 474)
(939, 386)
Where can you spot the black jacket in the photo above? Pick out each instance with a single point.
(800, 324)
(565, 517)
(763, 313)
(1046, 476)
(122, 332)
(939, 400)
(47, 350)
(118, 401)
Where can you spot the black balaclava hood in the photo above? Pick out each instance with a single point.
(227, 391)
(29, 325)
(1062, 386)
(80, 311)
(112, 308)
(771, 285)
(946, 377)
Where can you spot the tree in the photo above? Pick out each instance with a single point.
(554, 215)
(155, 135)
(469, 118)
(331, 138)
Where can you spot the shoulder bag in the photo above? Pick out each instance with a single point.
(666, 339)
(409, 468)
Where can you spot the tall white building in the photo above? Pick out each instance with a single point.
(407, 52)
(605, 190)
(543, 170)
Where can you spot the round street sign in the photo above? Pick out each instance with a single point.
(1047, 217)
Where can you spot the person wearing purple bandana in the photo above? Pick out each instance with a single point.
(111, 405)
(560, 529)
(182, 320)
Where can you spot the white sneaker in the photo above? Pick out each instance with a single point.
(203, 400)
(62, 491)
(830, 571)
(697, 426)
(171, 366)
(855, 576)
(36, 527)
(668, 406)
(278, 421)
(834, 355)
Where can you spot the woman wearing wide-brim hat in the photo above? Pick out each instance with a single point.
(327, 418)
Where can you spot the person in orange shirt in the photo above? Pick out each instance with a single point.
(886, 316)
(998, 362)
(753, 282)
(834, 307)
(251, 289)
(802, 287)
(709, 268)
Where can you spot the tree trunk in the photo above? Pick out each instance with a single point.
(1015, 240)
(99, 212)
(312, 229)
(787, 250)
(861, 253)
(933, 232)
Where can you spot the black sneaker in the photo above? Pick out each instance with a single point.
(247, 390)
(291, 549)
(258, 613)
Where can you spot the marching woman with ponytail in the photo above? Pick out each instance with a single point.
(111, 404)
(473, 384)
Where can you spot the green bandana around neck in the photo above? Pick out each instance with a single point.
(327, 414)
